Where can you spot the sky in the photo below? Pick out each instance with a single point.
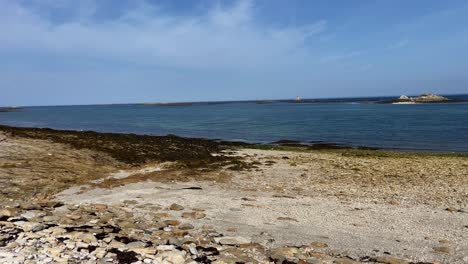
(59, 52)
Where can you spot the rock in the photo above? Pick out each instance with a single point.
(100, 253)
(390, 260)
(232, 241)
(193, 250)
(50, 218)
(227, 260)
(443, 249)
(30, 226)
(280, 255)
(193, 215)
(73, 216)
(29, 206)
(117, 244)
(85, 237)
(165, 247)
(185, 226)
(345, 261)
(287, 219)
(50, 204)
(6, 224)
(176, 207)
(144, 251)
(8, 212)
(172, 222)
(136, 244)
(174, 257)
(54, 252)
(310, 260)
(100, 207)
(318, 245)
(162, 215)
(32, 214)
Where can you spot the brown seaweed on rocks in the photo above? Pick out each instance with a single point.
(135, 150)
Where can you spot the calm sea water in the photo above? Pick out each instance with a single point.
(429, 127)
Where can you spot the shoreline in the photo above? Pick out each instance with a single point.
(279, 144)
(124, 198)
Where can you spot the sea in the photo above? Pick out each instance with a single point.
(440, 127)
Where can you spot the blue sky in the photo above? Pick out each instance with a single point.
(84, 52)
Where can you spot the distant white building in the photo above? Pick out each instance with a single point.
(404, 97)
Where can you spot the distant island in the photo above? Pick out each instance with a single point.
(426, 98)
(9, 109)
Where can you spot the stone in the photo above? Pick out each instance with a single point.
(100, 207)
(136, 244)
(29, 206)
(227, 260)
(194, 215)
(317, 244)
(54, 252)
(282, 254)
(390, 260)
(73, 216)
(9, 212)
(185, 226)
(144, 251)
(100, 253)
(165, 247)
(50, 218)
(6, 224)
(85, 237)
(50, 204)
(443, 249)
(287, 219)
(30, 226)
(310, 260)
(232, 241)
(176, 207)
(31, 215)
(162, 215)
(346, 261)
(175, 257)
(172, 222)
(117, 244)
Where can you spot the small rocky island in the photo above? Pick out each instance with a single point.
(423, 99)
(9, 109)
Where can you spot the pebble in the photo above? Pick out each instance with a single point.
(111, 234)
(443, 249)
(176, 207)
(185, 227)
(232, 241)
(390, 260)
(194, 215)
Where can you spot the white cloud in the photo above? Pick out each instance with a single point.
(223, 37)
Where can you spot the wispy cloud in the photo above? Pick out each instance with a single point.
(222, 37)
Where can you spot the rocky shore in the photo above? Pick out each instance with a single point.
(49, 232)
(85, 197)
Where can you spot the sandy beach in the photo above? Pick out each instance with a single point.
(78, 197)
